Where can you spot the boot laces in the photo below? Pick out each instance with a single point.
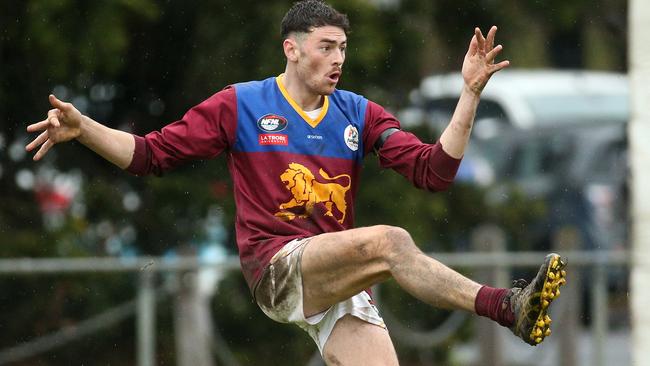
(517, 286)
(520, 283)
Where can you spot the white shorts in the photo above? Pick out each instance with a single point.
(279, 295)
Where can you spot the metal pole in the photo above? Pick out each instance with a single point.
(192, 324)
(482, 260)
(489, 238)
(566, 239)
(638, 137)
(146, 320)
(600, 318)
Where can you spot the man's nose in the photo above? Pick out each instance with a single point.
(339, 57)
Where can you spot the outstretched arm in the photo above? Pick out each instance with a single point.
(478, 67)
(204, 132)
(64, 123)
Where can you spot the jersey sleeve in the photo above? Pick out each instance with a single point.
(377, 120)
(427, 166)
(204, 132)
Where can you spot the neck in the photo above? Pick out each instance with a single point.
(300, 93)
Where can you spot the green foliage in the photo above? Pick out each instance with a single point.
(77, 37)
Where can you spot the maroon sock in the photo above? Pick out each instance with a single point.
(489, 303)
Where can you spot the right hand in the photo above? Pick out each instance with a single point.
(63, 123)
(479, 65)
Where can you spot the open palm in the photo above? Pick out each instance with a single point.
(479, 65)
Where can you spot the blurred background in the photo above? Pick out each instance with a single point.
(547, 169)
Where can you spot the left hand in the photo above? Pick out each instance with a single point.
(479, 65)
(63, 123)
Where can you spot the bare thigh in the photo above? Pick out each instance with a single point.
(337, 266)
(355, 342)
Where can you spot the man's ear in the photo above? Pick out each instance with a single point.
(291, 50)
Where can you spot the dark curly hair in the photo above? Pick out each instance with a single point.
(307, 14)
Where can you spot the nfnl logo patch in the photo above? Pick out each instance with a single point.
(273, 139)
(272, 123)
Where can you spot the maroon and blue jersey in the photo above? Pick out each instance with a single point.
(293, 176)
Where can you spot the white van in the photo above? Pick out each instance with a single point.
(555, 135)
(526, 98)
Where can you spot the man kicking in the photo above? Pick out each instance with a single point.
(295, 145)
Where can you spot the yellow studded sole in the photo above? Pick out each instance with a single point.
(555, 278)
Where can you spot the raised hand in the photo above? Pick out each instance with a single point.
(479, 65)
(63, 123)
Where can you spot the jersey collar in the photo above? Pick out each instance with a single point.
(312, 122)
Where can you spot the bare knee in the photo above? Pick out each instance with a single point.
(394, 241)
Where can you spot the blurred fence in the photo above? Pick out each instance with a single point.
(489, 265)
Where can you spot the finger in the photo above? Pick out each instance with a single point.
(56, 103)
(490, 56)
(54, 121)
(53, 117)
(479, 38)
(500, 66)
(37, 141)
(43, 150)
(490, 37)
(473, 46)
(38, 126)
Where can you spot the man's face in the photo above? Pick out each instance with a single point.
(321, 57)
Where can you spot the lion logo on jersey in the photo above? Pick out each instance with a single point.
(307, 192)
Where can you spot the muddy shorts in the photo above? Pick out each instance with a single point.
(279, 295)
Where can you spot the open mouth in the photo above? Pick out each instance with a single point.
(334, 77)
